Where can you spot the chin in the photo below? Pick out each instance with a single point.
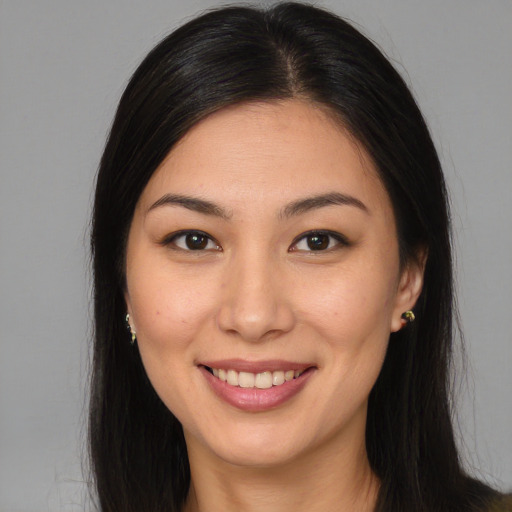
(255, 455)
(255, 447)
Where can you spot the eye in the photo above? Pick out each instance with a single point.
(192, 241)
(316, 241)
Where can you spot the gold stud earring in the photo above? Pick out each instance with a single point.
(408, 317)
(130, 328)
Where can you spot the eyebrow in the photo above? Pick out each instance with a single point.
(290, 210)
(191, 203)
(321, 201)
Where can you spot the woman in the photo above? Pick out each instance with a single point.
(273, 288)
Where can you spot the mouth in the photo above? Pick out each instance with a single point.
(256, 387)
(261, 380)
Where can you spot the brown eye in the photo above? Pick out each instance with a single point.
(318, 241)
(193, 241)
(196, 242)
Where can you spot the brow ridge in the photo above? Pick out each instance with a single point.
(195, 204)
(320, 201)
(290, 210)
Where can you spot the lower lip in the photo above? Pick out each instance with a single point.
(255, 399)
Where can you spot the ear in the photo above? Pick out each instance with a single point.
(409, 288)
(129, 311)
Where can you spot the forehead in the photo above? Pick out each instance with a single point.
(268, 152)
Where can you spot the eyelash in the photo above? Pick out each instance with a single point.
(340, 240)
(202, 237)
(171, 241)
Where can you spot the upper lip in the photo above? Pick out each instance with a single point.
(242, 365)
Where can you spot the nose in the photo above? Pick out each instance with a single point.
(255, 305)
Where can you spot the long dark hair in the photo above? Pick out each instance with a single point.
(241, 54)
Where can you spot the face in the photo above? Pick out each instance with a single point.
(263, 281)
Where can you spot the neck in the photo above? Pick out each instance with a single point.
(324, 480)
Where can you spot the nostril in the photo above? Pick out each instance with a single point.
(257, 320)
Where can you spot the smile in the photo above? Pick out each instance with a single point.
(256, 387)
(261, 380)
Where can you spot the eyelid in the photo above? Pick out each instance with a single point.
(169, 240)
(341, 239)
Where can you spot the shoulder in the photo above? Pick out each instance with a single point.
(503, 504)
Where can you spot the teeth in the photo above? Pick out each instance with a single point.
(232, 378)
(263, 380)
(245, 380)
(277, 378)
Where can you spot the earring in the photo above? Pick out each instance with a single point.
(408, 317)
(130, 328)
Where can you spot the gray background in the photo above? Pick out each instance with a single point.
(63, 65)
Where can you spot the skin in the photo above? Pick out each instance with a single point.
(258, 292)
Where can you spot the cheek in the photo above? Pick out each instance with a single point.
(354, 321)
(168, 308)
(171, 313)
(349, 305)
(352, 317)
